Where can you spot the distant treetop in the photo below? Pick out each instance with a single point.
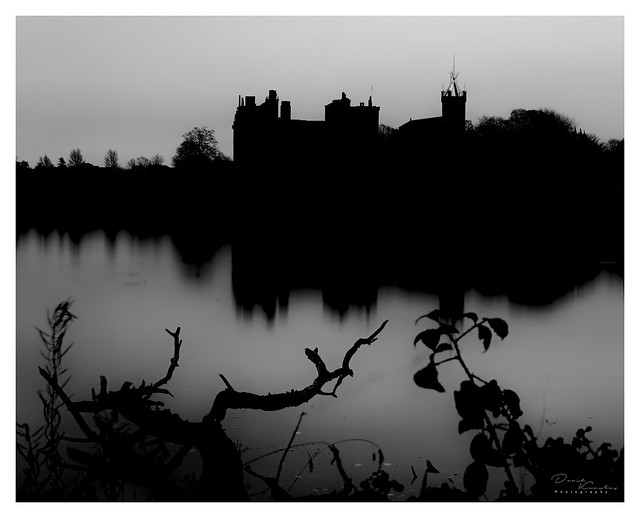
(198, 147)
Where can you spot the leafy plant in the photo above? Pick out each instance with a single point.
(500, 440)
(40, 448)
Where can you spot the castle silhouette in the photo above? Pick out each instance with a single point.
(267, 133)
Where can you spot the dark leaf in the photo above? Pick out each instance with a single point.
(431, 468)
(429, 338)
(67, 349)
(428, 378)
(491, 397)
(475, 479)
(444, 347)
(512, 401)
(484, 335)
(162, 391)
(511, 440)
(472, 316)
(481, 451)
(468, 402)
(479, 446)
(433, 315)
(467, 424)
(588, 429)
(499, 326)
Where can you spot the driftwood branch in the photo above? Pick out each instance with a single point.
(222, 468)
(230, 398)
(226, 382)
(173, 362)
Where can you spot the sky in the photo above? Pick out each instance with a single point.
(137, 84)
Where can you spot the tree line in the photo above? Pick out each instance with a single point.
(551, 197)
(199, 147)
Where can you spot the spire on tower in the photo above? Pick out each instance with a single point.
(454, 89)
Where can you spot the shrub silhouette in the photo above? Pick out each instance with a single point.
(40, 448)
(132, 440)
(561, 471)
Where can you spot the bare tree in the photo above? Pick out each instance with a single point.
(111, 159)
(75, 158)
(143, 161)
(157, 160)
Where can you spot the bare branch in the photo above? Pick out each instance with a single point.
(67, 402)
(286, 450)
(230, 398)
(226, 382)
(174, 361)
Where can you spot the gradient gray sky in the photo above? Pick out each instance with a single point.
(137, 84)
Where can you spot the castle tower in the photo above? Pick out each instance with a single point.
(453, 103)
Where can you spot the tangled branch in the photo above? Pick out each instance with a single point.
(232, 399)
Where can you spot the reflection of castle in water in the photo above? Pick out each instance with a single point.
(268, 133)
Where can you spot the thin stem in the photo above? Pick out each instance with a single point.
(494, 437)
(472, 377)
(459, 358)
(445, 361)
(474, 326)
(284, 455)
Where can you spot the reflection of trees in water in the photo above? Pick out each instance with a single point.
(525, 207)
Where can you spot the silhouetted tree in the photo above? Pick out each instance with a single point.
(75, 158)
(143, 161)
(131, 163)
(111, 159)
(62, 164)
(614, 145)
(199, 147)
(22, 165)
(157, 160)
(44, 161)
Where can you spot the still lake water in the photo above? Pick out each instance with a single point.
(565, 361)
